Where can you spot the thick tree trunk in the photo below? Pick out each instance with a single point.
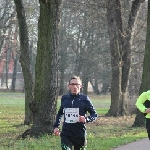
(145, 86)
(46, 69)
(25, 59)
(126, 57)
(116, 59)
(120, 45)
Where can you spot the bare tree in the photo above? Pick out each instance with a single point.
(120, 46)
(25, 59)
(46, 69)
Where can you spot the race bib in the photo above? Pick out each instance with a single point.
(71, 115)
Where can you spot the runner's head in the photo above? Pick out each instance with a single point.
(75, 85)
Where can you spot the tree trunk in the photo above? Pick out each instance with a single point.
(15, 58)
(116, 59)
(126, 57)
(95, 86)
(46, 69)
(6, 65)
(63, 56)
(145, 86)
(120, 46)
(14, 75)
(25, 59)
(85, 84)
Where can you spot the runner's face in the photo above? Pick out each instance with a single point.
(74, 86)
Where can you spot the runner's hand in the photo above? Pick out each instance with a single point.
(56, 132)
(147, 110)
(82, 119)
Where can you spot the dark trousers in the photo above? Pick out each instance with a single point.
(67, 143)
(148, 127)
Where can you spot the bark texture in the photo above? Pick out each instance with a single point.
(120, 46)
(145, 84)
(25, 59)
(46, 69)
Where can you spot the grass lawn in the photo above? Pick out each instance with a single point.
(103, 134)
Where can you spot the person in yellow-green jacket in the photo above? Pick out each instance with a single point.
(143, 104)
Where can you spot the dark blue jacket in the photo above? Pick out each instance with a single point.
(84, 104)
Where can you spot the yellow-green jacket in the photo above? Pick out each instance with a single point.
(140, 102)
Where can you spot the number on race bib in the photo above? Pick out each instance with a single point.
(71, 115)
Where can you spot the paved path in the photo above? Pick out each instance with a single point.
(143, 144)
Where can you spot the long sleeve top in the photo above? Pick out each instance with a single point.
(143, 102)
(77, 129)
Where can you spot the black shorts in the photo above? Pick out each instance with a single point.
(67, 143)
(148, 127)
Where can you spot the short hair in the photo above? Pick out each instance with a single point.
(75, 77)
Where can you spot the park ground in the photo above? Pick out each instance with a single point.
(103, 134)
